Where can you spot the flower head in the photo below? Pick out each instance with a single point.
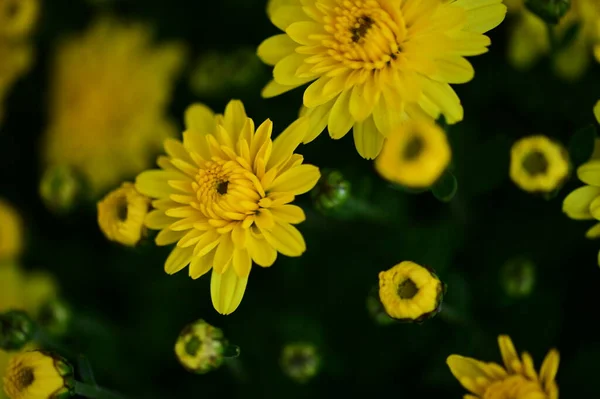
(224, 196)
(121, 214)
(375, 63)
(11, 232)
(38, 375)
(108, 99)
(200, 347)
(300, 361)
(415, 155)
(410, 292)
(538, 164)
(17, 17)
(61, 188)
(517, 379)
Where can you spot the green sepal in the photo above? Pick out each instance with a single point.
(445, 188)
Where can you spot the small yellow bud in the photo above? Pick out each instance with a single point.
(200, 347)
(300, 361)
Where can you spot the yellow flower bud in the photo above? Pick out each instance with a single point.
(300, 361)
(200, 347)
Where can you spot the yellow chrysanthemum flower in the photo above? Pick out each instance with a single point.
(410, 292)
(108, 100)
(224, 196)
(11, 232)
(38, 375)
(517, 379)
(415, 155)
(17, 19)
(121, 215)
(28, 292)
(375, 63)
(529, 39)
(199, 347)
(538, 164)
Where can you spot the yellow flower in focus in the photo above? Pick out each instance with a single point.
(415, 155)
(375, 63)
(38, 375)
(224, 196)
(23, 291)
(529, 39)
(17, 19)
(410, 292)
(121, 215)
(538, 164)
(108, 100)
(516, 380)
(11, 232)
(199, 347)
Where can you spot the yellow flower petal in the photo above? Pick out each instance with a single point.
(227, 290)
(453, 69)
(593, 232)
(157, 220)
(484, 15)
(286, 143)
(234, 119)
(368, 139)
(178, 259)
(509, 353)
(298, 180)
(589, 173)
(273, 89)
(276, 48)
(340, 120)
(286, 239)
(289, 214)
(200, 265)
(467, 371)
(597, 109)
(577, 204)
(242, 262)
(168, 236)
(549, 368)
(223, 253)
(285, 71)
(199, 118)
(154, 183)
(318, 119)
(301, 32)
(444, 97)
(363, 99)
(262, 253)
(285, 15)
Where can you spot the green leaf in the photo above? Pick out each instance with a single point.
(445, 188)
(581, 145)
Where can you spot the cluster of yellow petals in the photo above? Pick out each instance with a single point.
(375, 63)
(32, 375)
(529, 39)
(17, 21)
(224, 196)
(108, 100)
(516, 380)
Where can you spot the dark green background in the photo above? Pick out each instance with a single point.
(129, 311)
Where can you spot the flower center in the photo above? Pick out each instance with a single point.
(122, 209)
(24, 378)
(407, 289)
(514, 387)
(361, 33)
(535, 163)
(413, 148)
(192, 346)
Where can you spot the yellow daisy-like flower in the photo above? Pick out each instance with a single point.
(529, 39)
(108, 100)
(11, 232)
(415, 155)
(199, 347)
(516, 380)
(224, 196)
(38, 375)
(375, 63)
(538, 164)
(121, 215)
(28, 292)
(410, 292)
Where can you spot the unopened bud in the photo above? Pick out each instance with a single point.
(331, 192)
(200, 347)
(60, 188)
(300, 361)
(517, 277)
(551, 11)
(16, 330)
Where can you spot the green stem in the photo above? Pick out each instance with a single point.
(95, 392)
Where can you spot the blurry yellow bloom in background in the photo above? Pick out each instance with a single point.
(121, 214)
(517, 379)
(373, 64)
(529, 38)
(415, 155)
(200, 347)
(410, 292)
(11, 232)
(17, 19)
(224, 196)
(23, 291)
(38, 375)
(107, 108)
(538, 164)
(584, 202)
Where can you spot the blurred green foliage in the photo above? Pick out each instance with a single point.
(127, 312)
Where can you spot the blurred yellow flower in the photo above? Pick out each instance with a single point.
(517, 379)
(415, 155)
(38, 375)
(199, 347)
(529, 38)
(538, 164)
(300, 361)
(373, 64)
(121, 215)
(17, 19)
(109, 92)
(224, 196)
(410, 292)
(23, 291)
(11, 232)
